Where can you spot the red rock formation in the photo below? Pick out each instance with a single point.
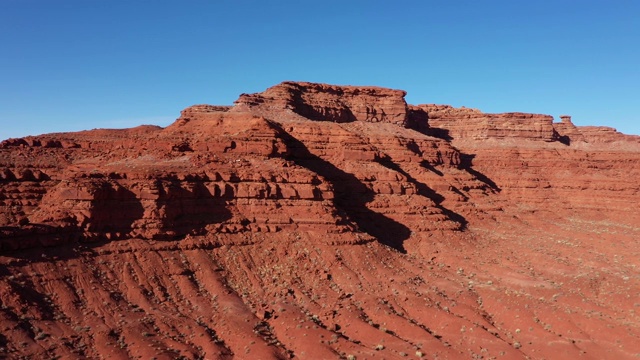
(472, 124)
(330, 102)
(321, 221)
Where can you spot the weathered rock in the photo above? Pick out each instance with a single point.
(465, 123)
(322, 221)
(331, 102)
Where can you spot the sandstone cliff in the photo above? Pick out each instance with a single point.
(322, 221)
(330, 103)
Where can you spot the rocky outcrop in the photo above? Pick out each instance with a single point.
(331, 103)
(333, 177)
(567, 132)
(594, 135)
(172, 184)
(465, 123)
(322, 221)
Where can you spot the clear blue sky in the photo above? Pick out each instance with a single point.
(81, 64)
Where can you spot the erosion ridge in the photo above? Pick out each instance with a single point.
(322, 221)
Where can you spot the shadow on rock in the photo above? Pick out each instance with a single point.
(426, 191)
(466, 163)
(339, 114)
(351, 196)
(187, 208)
(418, 120)
(115, 212)
(114, 209)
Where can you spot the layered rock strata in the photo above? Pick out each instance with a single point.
(322, 221)
(331, 103)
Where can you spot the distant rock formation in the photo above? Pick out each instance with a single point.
(331, 103)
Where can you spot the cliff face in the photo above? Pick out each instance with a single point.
(331, 103)
(321, 221)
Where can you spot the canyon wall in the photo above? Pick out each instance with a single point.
(322, 221)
